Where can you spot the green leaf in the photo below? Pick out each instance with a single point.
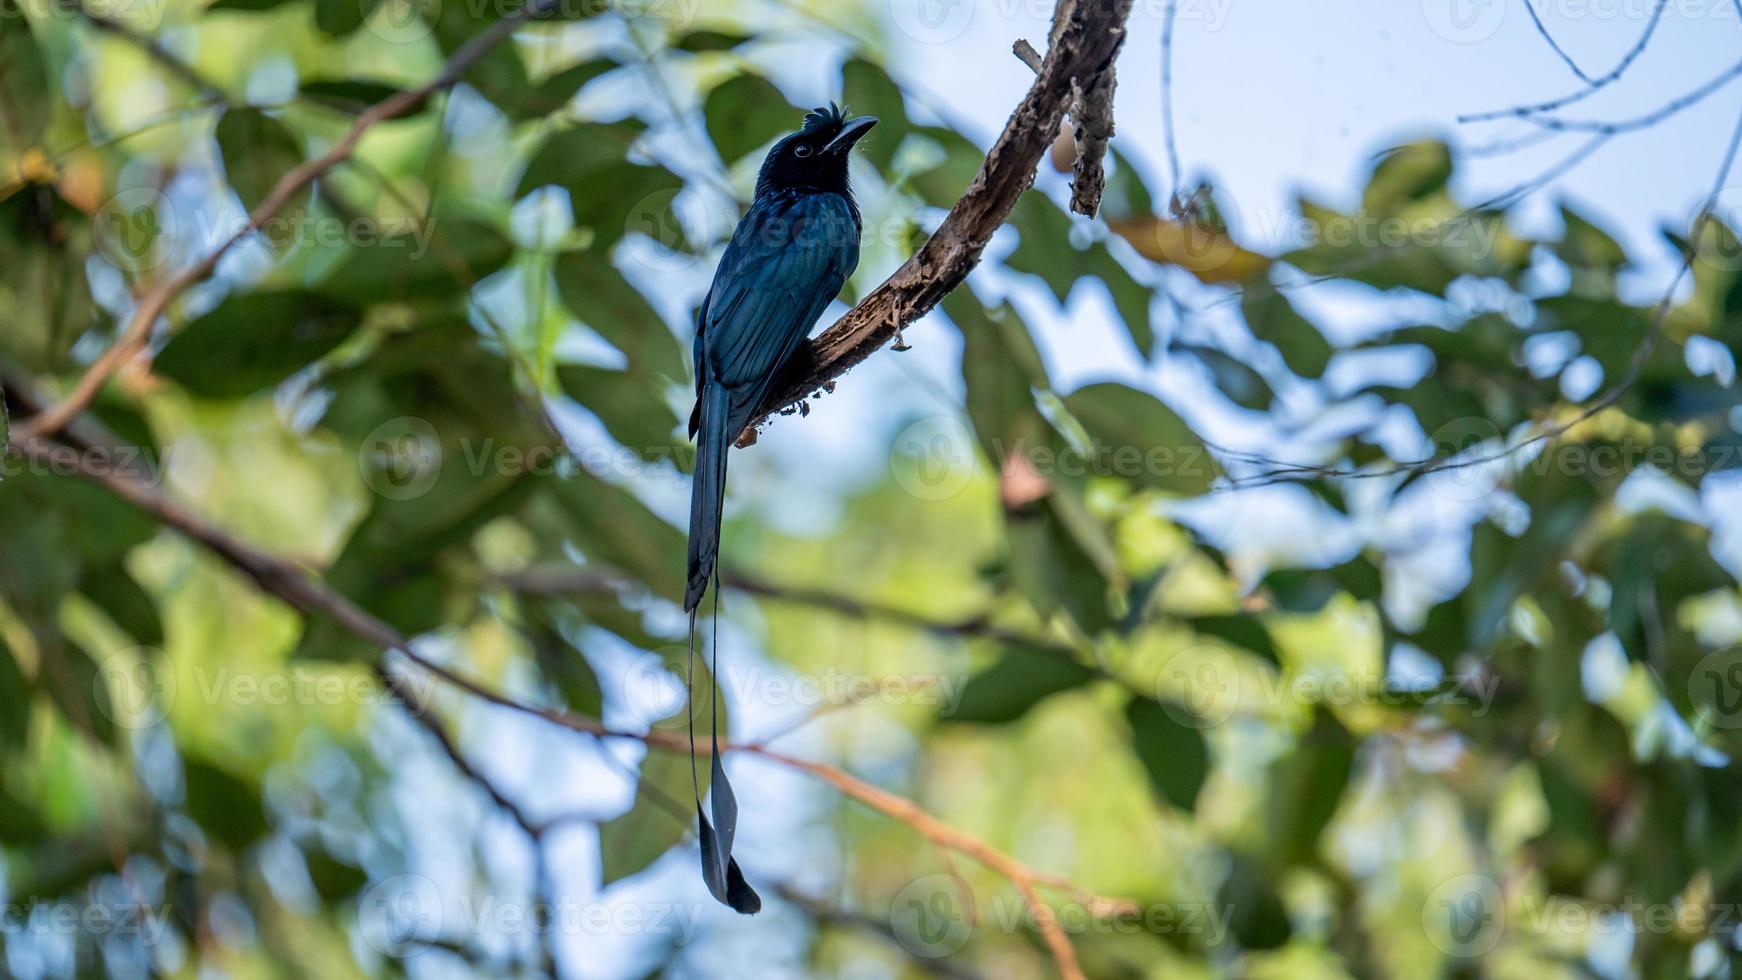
(334, 879)
(1126, 196)
(1133, 435)
(257, 151)
(1407, 173)
(867, 90)
(1234, 378)
(696, 42)
(14, 705)
(131, 607)
(44, 242)
(589, 157)
(226, 806)
(1047, 249)
(1243, 630)
(81, 693)
(1257, 917)
(615, 529)
(446, 260)
(629, 843)
(255, 340)
(20, 826)
(1000, 367)
(1272, 318)
(1306, 787)
(565, 667)
(556, 92)
(336, 18)
(1306, 590)
(745, 113)
(942, 185)
(351, 95)
(597, 294)
(1503, 567)
(1062, 558)
(1018, 680)
(1584, 247)
(25, 87)
(1174, 754)
(246, 6)
(642, 424)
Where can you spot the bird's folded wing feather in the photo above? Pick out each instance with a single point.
(782, 269)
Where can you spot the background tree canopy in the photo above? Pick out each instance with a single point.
(338, 611)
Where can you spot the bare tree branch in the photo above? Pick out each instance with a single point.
(1086, 35)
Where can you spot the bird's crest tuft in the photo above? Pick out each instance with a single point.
(824, 118)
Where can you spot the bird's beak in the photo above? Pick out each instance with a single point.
(850, 134)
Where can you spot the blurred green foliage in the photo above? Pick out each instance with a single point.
(1296, 769)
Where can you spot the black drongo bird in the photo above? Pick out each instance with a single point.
(788, 258)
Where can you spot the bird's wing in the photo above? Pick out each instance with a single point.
(784, 266)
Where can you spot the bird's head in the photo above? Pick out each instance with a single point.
(815, 157)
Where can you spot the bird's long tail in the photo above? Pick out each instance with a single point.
(719, 869)
(708, 495)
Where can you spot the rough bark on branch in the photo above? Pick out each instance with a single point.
(1086, 36)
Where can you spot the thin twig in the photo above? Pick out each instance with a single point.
(1174, 176)
(1593, 85)
(1645, 121)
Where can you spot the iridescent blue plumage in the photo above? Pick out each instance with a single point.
(787, 260)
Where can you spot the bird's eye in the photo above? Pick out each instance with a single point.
(801, 151)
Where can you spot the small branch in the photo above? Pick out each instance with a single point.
(1647, 120)
(1593, 85)
(1560, 52)
(1086, 36)
(1174, 175)
(154, 303)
